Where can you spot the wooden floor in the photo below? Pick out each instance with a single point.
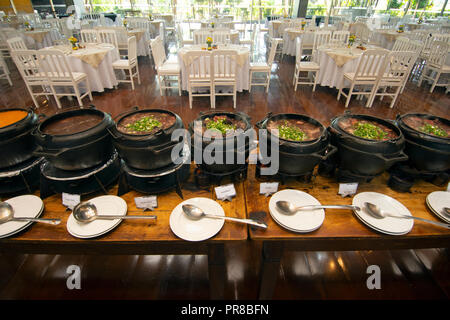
(405, 274)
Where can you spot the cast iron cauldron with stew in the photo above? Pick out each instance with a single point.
(221, 132)
(367, 145)
(16, 142)
(76, 139)
(303, 141)
(143, 137)
(427, 141)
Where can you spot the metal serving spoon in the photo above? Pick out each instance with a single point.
(376, 212)
(86, 212)
(7, 214)
(195, 213)
(289, 209)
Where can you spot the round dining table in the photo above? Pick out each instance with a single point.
(95, 60)
(290, 34)
(40, 38)
(335, 61)
(386, 37)
(243, 61)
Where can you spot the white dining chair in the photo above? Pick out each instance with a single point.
(435, 64)
(107, 36)
(167, 71)
(4, 71)
(320, 38)
(201, 35)
(221, 37)
(180, 40)
(263, 67)
(400, 44)
(54, 66)
(28, 66)
(130, 63)
(311, 67)
(88, 36)
(339, 37)
(397, 67)
(224, 66)
(199, 75)
(16, 43)
(368, 70)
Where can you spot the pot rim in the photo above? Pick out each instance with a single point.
(63, 114)
(29, 112)
(133, 135)
(424, 115)
(335, 125)
(300, 143)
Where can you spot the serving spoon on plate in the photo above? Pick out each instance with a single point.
(289, 209)
(85, 212)
(195, 213)
(7, 214)
(378, 213)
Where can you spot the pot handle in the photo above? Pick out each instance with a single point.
(330, 151)
(41, 153)
(401, 157)
(260, 123)
(427, 148)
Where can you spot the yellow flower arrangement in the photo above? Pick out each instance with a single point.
(73, 41)
(125, 22)
(351, 40)
(303, 25)
(209, 41)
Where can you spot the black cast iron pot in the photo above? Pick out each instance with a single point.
(296, 157)
(425, 151)
(366, 157)
(237, 146)
(16, 140)
(147, 151)
(80, 150)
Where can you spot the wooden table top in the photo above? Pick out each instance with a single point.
(342, 226)
(134, 232)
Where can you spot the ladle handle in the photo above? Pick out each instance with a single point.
(312, 207)
(247, 221)
(105, 217)
(49, 221)
(440, 224)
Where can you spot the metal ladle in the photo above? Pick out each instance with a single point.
(376, 212)
(289, 209)
(7, 214)
(195, 213)
(86, 212)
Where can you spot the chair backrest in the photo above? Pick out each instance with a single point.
(361, 31)
(221, 37)
(107, 36)
(54, 65)
(16, 43)
(298, 50)
(399, 65)
(158, 52)
(224, 64)
(340, 36)
(321, 38)
(200, 36)
(199, 65)
(273, 51)
(444, 37)
(415, 46)
(132, 49)
(371, 63)
(438, 53)
(27, 64)
(89, 36)
(400, 44)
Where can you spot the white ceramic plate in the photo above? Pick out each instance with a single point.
(388, 225)
(197, 230)
(106, 205)
(436, 201)
(24, 206)
(302, 221)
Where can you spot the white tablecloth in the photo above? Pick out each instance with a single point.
(386, 38)
(101, 77)
(289, 37)
(50, 36)
(141, 43)
(277, 27)
(242, 70)
(330, 74)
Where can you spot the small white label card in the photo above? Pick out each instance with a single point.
(70, 200)
(268, 188)
(226, 192)
(146, 203)
(348, 189)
